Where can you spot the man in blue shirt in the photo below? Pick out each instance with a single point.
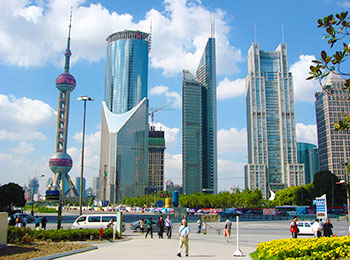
(184, 232)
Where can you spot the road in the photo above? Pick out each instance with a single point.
(211, 246)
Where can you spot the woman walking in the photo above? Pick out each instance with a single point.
(160, 227)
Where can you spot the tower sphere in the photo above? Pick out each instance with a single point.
(65, 82)
(60, 163)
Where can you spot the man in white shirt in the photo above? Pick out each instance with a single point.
(316, 228)
(228, 225)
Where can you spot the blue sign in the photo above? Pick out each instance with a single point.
(321, 207)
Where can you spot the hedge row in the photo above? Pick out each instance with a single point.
(306, 248)
(27, 235)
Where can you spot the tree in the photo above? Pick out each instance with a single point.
(337, 31)
(326, 183)
(11, 195)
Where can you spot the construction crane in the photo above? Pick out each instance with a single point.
(156, 110)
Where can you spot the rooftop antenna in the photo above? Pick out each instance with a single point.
(212, 25)
(254, 32)
(282, 33)
(68, 53)
(150, 37)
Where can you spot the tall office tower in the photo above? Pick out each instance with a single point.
(94, 185)
(33, 186)
(77, 184)
(272, 149)
(199, 163)
(333, 147)
(308, 155)
(61, 163)
(156, 147)
(124, 132)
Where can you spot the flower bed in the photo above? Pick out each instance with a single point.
(305, 248)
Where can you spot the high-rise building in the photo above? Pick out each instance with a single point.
(61, 163)
(308, 155)
(124, 128)
(33, 186)
(95, 185)
(199, 140)
(77, 184)
(334, 146)
(156, 147)
(272, 149)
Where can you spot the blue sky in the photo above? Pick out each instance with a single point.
(32, 42)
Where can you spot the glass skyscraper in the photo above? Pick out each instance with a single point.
(272, 150)
(124, 129)
(199, 133)
(308, 155)
(334, 147)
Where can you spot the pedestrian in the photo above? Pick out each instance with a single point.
(43, 223)
(228, 225)
(24, 222)
(110, 224)
(294, 228)
(316, 228)
(37, 223)
(149, 227)
(142, 225)
(18, 222)
(184, 232)
(327, 228)
(199, 225)
(160, 226)
(169, 226)
(204, 228)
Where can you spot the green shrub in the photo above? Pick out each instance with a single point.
(26, 235)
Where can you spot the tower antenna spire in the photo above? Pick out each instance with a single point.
(68, 53)
(212, 25)
(282, 33)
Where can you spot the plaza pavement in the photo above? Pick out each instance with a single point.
(210, 246)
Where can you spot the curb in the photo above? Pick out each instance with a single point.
(49, 257)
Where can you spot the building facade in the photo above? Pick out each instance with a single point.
(199, 133)
(77, 185)
(95, 181)
(308, 155)
(156, 148)
(124, 128)
(334, 147)
(272, 150)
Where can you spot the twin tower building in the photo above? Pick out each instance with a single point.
(124, 128)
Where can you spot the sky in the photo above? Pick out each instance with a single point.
(33, 37)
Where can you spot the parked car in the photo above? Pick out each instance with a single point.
(94, 221)
(305, 227)
(22, 216)
(135, 226)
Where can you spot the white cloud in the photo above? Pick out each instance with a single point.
(23, 148)
(306, 133)
(345, 4)
(31, 36)
(172, 97)
(24, 112)
(173, 167)
(304, 90)
(9, 160)
(25, 135)
(232, 141)
(230, 174)
(230, 89)
(170, 133)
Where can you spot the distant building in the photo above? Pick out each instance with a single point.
(272, 149)
(333, 146)
(95, 185)
(156, 147)
(199, 133)
(169, 184)
(77, 185)
(124, 127)
(33, 186)
(88, 192)
(308, 155)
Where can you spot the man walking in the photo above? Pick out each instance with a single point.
(316, 228)
(149, 227)
(294, 227)
(228, 225)
(169, 226)
(184, 232)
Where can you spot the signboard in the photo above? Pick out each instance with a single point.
(321, 207)
(52, 195)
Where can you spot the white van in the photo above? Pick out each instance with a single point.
(94, 221)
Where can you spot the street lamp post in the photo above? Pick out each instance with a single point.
(84, 99)
(346, 182)
(33, 191)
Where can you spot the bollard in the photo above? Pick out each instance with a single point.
(238, 252)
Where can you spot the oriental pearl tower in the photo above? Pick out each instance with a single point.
(61, 163)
